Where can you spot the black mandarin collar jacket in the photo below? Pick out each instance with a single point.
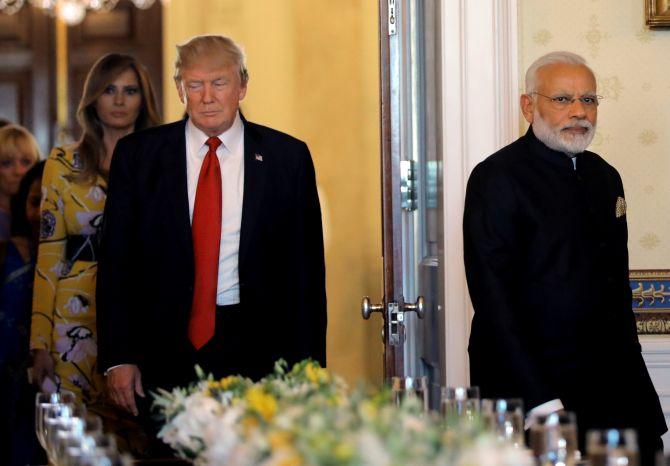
(547, 268)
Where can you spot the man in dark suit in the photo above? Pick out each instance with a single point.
(546, 259)
(212, 245)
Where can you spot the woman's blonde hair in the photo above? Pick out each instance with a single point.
(17, 141)
(90, 147)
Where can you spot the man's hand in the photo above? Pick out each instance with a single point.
(122, 383)
(43, 367)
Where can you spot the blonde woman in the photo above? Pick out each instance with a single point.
(18, 152)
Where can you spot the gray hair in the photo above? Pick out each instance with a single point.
(551, 58)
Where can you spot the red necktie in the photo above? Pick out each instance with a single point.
(206, 228)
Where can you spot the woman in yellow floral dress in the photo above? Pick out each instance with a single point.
(117, 100)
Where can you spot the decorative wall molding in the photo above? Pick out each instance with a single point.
(651, 300)
(479, 116)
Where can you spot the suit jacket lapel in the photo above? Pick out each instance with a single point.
(254, 181)
(177, 189)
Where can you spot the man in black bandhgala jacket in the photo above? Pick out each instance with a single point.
(546, 258)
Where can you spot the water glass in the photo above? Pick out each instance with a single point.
(101, 459)
(58, 418)
(76, 435)
(414, 388)
(553, 439)
(606, 447)
(505, 419)
(43, 401)
(459, 405)
(91, 449)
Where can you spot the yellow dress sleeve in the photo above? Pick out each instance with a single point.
(51, 264)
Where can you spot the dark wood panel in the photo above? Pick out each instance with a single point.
(28, 70)
(14, 95)
(27, 74)
(116, 24)
(125, 29)
(15, 29)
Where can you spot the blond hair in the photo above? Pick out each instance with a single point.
(16, 141)
(219, 48)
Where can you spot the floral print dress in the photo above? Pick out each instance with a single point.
(63, 317)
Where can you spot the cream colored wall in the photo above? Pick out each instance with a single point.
(314, 74)
(632, 65)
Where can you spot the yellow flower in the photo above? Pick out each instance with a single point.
(279, 440)
(249, 424)
(316, 374)
(261, 402)
(343, 451)
(291, 459)
(368, 410)
(226, 382)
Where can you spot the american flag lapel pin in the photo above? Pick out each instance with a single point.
(258, 157)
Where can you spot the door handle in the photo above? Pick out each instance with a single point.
(367, 308)
(419, 307)
(395, 316)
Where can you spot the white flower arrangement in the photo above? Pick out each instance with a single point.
(307, 416)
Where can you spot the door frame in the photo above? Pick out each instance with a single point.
(480, 95)
(480, 114)
(390, 182)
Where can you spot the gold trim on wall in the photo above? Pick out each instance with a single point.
(657, 13)
(651, 300)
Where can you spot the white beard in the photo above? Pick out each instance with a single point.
(554, 138)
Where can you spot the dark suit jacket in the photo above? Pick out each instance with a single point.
(146, 265)
(547, 267)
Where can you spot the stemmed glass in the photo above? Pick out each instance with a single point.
(42, 402)
(553, 439)
(57, 418)
(612, 446)
(95, 449)
(505, 418)
(410, 388)
(459, 405)
(78, 432)
(100, 459)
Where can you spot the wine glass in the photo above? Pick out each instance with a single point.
(57, 418)
(505, 418)
(91, 449)
(75, 435)
(44, 400)
(459, 405)
(415, 388)
(553, 439)
(612, 446)
(101, 459)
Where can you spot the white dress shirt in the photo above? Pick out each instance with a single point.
(231, 160)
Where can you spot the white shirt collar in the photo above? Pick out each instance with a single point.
(231, 138)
